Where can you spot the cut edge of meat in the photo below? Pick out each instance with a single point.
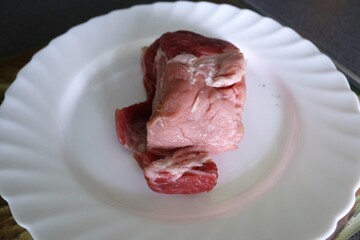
(183, 172)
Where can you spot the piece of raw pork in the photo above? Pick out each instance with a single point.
(195, 95)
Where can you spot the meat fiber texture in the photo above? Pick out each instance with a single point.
(195, 95)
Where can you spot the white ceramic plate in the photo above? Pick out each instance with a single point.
(65, 175)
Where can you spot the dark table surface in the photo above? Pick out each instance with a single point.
(333, 26)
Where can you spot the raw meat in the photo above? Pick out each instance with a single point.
(195, 94)
(182, 172)
(131, 131)
(166, 171)
(198, 90)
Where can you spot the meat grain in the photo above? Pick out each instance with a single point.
(195, 95)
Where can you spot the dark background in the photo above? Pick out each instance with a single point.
(26, 24)
(333, 26)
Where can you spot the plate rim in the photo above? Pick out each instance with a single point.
(37, 57)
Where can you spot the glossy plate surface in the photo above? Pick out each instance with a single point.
(65, 175)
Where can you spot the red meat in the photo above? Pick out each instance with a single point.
(198, 89)
(166, 171)
(195, 94)
(182, 172)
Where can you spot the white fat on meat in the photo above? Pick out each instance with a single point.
(176, 167)
(195, 104)
(187, 59)
(214, 74)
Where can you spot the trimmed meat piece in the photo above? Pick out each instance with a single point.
(195, 94)
(182, 172)
(131, 125)
(197, 85)
(166, 171)
(131, 131)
